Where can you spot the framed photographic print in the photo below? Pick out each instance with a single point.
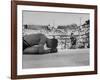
(53, 39)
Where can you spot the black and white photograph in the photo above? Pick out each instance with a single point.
(55, 39)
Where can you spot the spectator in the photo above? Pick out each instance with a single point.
(73, 41)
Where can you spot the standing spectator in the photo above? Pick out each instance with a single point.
(73, 41)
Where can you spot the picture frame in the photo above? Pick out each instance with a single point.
(16, 32)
